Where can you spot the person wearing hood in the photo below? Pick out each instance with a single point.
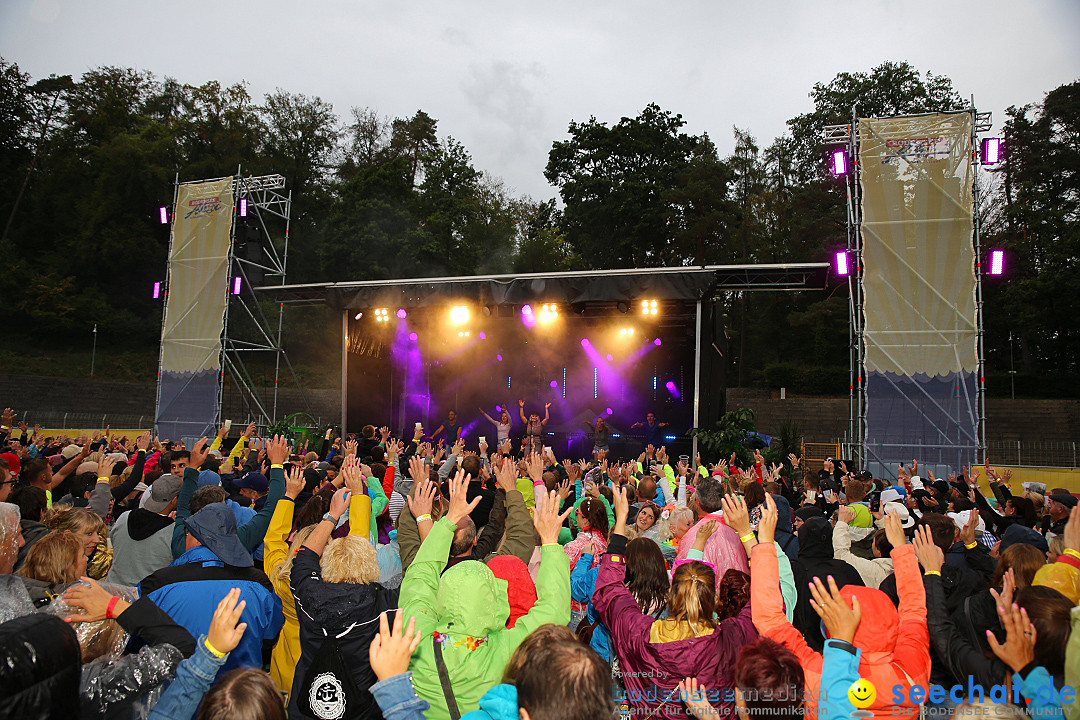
(816, 560)
(724, 550)
(32, 504)
(142, 538)
(249, 532)
(894, 642)
(216, 562)
(461, 614)
(785, 535)
(656, 655)
(871, 571)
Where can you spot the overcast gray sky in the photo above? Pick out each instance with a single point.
(506, 78)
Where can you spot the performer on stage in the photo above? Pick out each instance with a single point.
(653, 436)
(452, 427)
(601, 434)
(502, 425)
(533, 442)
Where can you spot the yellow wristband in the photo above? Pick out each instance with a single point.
(1072, 553)
(971, 546)
(213, 650)
(554, 544)
(932, 572)
(277, 467)
(102, 478)
(748, 537)
(422, 518)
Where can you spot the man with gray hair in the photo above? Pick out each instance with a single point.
(14, 601)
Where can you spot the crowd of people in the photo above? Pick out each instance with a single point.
(383, 577)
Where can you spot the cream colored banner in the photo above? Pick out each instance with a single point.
(918, 256)
(198, 278)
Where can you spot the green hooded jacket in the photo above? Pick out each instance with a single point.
(467, 604)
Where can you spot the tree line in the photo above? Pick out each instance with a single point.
(85, 163)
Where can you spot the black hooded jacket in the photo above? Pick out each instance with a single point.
(816, 560)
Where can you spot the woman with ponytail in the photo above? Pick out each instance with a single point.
(655, 655)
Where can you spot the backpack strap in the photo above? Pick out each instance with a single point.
(444, 680)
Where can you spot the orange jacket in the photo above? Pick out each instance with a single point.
(895, 643)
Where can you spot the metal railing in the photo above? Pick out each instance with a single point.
(1033, 453)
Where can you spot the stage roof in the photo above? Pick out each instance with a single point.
(585, 286)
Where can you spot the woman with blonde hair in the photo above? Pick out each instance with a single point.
(656, 655)
(338, 599)
(53, 563)
(89, 529)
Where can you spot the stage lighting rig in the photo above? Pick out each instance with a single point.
(626, 331)
(839, 162)
(649, 307)
(842, 263)
(549, 312)
(990, 152)
(459, 315)
(382, 315)
(997, 262)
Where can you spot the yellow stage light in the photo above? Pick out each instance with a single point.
(459, 315)
(649, 307)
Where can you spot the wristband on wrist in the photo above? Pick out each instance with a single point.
(102, 478)
(747, 537)
(971, 546)
(1072, 553)
(279, 466)
(422, 518)
(110, 607)
(213, 650)
(932, 572)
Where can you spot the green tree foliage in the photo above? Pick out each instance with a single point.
(1039, 300)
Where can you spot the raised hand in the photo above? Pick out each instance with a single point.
(622, 506)
(277, 450)
(766, 529)
(536, 468)
(930, 555)
(226, 630)
(894, 529)
(735, 513)
(1018, 650)
(967, 533)
(845, 514)
(389, 652)
(294, 483)
(339, 504)
(350, 448)
(547, 520)
(105, 466)
(506, 475)
(841, 621)
(694, 696)
(143, 442)
(422, 498)
(1008, 585)
(354, 477)
(198, 454)
(459, 501)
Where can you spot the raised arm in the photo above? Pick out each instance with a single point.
(490, 419)
(521, 411)
(547, 414)
(252, 532)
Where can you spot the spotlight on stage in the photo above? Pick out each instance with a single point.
(463, 334)
(459, 315)
(243, 207)
(839, 162)
(626, 331)
(672, 389)
(657, 342)
(401, 314)
(842, 263)
(358, 315)
(991, 151)
(413, 336)
(528, 317)
(997, 262)
(237, 283)
(623, 307)
(483, 335)
(549, 312)
(163, 214)
(382, 315)
(157, 290)
(649, 307)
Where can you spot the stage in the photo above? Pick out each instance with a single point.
(615, 344)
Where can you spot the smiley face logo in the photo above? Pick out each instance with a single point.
(862, 693)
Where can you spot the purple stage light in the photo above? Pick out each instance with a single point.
(554, 384)
(997, 262)
(842, 266)
(839, 162)
(157, 290)
(163, 213)
(609, 411)
(526, 310)
(413, 336)
(401, 314)
(483, 335)
(657, 342)
(610, 357)
(672, 389)
(498, 408)
(528, 318)
(243, 207)
(236, 283)
(991, 151)
(499, 357)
